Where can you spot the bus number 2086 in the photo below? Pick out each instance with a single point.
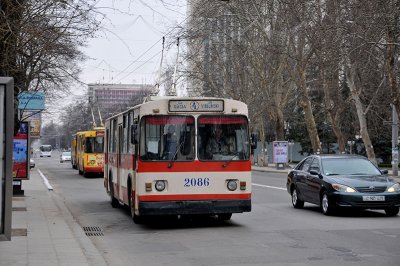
(197, 182)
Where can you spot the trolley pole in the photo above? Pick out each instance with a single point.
(395, 141)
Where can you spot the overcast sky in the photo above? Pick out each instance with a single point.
(128, 49)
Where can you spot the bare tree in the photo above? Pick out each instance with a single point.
(41, 42)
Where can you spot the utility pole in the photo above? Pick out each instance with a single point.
(395, 141)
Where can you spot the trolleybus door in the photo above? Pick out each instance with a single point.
(119, 153)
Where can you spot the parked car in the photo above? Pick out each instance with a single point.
(31, 163)
(342, 181)
(65, 156)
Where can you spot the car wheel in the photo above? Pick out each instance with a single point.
(392, 211)
(298, 204)
(326, 205)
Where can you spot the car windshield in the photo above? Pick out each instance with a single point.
(348, 166)
(66, 154)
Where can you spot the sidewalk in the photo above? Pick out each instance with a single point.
(44, 231)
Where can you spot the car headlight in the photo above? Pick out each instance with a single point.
(394, 188)
(343, 188)
(160, 185)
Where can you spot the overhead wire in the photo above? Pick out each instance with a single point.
(144, 53)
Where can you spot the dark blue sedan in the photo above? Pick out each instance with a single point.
(342, 181)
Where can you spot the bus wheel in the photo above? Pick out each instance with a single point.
(224, 216)
(137, 219)
(114, 201)
(131, 207)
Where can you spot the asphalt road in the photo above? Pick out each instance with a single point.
(274, 233)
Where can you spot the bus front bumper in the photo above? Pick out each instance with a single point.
(93, 169)
(194, 207)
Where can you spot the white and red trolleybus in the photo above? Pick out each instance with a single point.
(143, 173)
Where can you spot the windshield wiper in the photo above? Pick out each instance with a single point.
(226, 163)
(178, 147)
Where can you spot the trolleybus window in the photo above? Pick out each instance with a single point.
(94, 145)
(222, 138)
(167, 138)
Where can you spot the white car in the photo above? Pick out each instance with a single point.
(65, 156)
(31, 163)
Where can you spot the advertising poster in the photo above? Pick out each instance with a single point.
(35, 118)
(280, 151)
(20, 152)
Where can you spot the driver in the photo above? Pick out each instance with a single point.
(217, 144)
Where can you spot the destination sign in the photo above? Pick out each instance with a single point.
(196, 106)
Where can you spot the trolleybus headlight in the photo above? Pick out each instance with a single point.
(231, 185)
(160, 185)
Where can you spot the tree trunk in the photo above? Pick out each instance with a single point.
(355, 94)
(333, 111)
(305, 103)
(279, 124)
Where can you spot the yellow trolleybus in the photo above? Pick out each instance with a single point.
(90, 151)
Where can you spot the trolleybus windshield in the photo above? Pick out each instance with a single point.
(222, 138)
(94, 144)
(167, 138)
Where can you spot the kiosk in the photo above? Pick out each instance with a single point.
(6, 152)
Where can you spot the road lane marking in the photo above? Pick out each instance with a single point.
(45, 180)
(259, 185)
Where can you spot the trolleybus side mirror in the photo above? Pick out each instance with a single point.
(134, 134)
(253, 141)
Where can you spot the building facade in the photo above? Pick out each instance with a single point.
(107, 95)
(212, 48)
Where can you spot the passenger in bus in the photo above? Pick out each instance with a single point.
(170, 143)
(217, 144)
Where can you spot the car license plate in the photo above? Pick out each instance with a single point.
(373, 198)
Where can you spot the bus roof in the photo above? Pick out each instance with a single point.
(91, 133)
(181, 105)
